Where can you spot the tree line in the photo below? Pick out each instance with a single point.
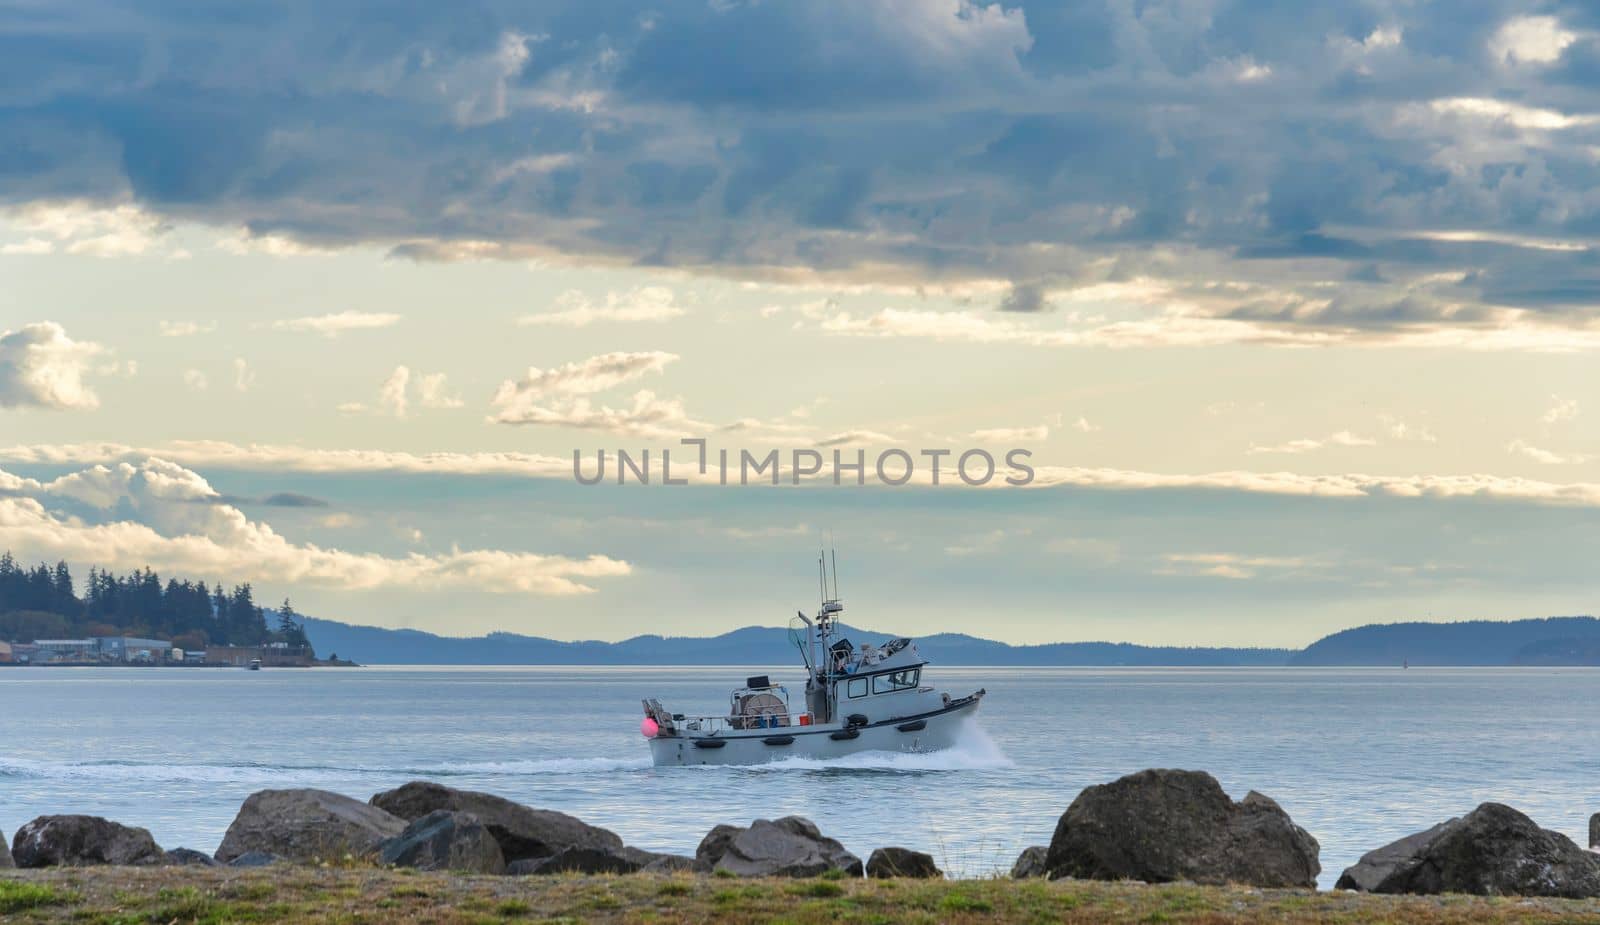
(42, 603)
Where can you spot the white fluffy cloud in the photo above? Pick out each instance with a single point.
(335, 324)
(559, 397)
(392, 394)
(41, 367)
(1530, 40)
(1308, 444)
(575, 310)
(161, 514)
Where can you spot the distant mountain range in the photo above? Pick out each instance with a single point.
(1552, 641)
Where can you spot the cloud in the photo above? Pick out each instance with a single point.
(1530, 40)
(1306, 445)
(1547, 457)
(244, 378)
(1401, 430)
(333, 325)
(41, 367)
(1230, 565)
(1016, 150)
(392, 394)
(1562, 409)
(1011, 434)
(854, 437)
(431, 392)
(576, 310)
(195, 380)
(647, 415)
(291, 499)
(213, 454)
(586, 377)
(559, 397)
(146, 514)
(186, 328)
(84, 228)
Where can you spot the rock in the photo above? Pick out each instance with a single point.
(1031, 863)
(1165, 825)
(521, 831)
(79, 841)
(445, 840)
(901, 862)
(307, 825)
(188, 857)
(669, 864)
(654, 862)
(255, 859)
(787, 847)
(714, 845)
(1492, 851)
(580, 861)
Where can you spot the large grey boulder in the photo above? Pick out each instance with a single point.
(885, 863)
(1594, 832)
(307, 825)
(714, 845)
(445, 840)
(1165, 825)
(1492, 851)
(787, 847)
(1031, 863)
(521, 831)
(80, 841)
(5, 854)
(256, 859)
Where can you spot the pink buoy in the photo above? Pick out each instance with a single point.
(649, 728)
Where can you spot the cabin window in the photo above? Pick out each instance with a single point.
(858, 687)
(892, 681)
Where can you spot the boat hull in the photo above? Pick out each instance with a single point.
(926, 732)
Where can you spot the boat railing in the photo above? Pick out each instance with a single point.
(712, 725)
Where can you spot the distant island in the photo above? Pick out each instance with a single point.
(137, 619)
(1552, 641)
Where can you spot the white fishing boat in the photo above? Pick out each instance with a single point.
(871, 698)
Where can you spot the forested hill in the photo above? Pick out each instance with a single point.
(1550, 641)
(752, 645)
(43, 602)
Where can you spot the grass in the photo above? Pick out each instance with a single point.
(355, 895)
(18, 896)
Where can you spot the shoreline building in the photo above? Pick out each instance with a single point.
(132, 649)
(66, 650)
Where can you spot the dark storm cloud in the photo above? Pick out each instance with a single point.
(929, 139)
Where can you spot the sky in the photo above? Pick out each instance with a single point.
(1290, 308)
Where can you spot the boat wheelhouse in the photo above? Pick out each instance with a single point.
(855, 699)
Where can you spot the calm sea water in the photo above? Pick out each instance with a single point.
(1358, 757)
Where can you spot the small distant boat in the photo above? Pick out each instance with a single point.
(856, 700)
(255, 664)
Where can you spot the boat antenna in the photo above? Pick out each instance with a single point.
(834, 552)
(822, 576)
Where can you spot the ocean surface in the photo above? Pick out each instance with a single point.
(1358, 757)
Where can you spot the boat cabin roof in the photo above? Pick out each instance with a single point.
(891, 655)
